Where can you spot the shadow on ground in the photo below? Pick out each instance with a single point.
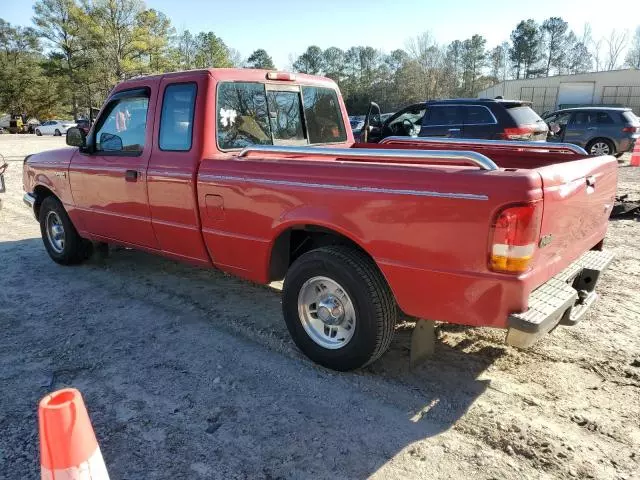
(191, 373)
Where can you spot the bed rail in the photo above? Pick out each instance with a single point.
(436, 156)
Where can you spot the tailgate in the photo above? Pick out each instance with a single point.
(578, 197)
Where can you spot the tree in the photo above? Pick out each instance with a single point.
(525, 48)
(311, 61)
(62, 24)
(117, 38)
(186, 50)
(616, 44)
(24, 87)
(578, 58)
(261, 59)
(554, 31)
(154, 34)
(333, 60)
(211, 51)
(473, 62)
(633, 55)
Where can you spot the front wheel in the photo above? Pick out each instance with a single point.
(338, 307)
(57, 133)
(38, 133)
(60, 237)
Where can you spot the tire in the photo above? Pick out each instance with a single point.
(38, 132)
(57, 133)
(363, 295)
(73, 248)
(600, 146)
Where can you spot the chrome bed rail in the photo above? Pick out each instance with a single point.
(436, 156)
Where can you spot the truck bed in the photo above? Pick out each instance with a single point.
(425, 223)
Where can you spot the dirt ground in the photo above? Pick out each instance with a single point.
(190, 373)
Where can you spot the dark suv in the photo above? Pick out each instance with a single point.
(493, 119)
(600, 130)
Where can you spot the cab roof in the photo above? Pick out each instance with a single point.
(238, 75)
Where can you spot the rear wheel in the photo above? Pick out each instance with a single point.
(338, 307)
(38, 132)
(60, 237)
(57, 133)
(600, 146)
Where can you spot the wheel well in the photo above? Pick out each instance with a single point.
(40, 192)
(296, 241)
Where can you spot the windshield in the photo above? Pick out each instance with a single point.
(249, 114)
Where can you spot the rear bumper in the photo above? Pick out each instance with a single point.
(564, 299)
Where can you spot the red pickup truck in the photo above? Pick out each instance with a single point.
(256, 173)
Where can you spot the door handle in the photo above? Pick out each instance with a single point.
(131, 176)
(591, 181)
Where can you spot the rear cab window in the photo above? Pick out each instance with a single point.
(271, 114)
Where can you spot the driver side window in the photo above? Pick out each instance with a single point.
(123, 127)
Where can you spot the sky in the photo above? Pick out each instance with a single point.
(284, 27)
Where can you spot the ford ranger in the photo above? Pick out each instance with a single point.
(256, 173)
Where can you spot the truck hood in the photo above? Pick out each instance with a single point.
(60, 157)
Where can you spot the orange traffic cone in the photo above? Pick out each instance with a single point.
(68, 447)
(635, 156)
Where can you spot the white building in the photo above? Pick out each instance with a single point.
(619, 88)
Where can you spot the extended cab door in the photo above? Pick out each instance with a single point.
(443, 121)
(108, 181)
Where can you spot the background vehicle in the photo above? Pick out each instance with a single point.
(492, 119)
(84, 125)
(54, 127)
(256, 173)
(600, 130)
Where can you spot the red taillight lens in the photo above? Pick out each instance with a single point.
(518, 133)
(514, 235)
(631, 129)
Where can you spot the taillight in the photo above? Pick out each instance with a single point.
(517, 133)
(631, 129)
(513, 238)
(281, 76)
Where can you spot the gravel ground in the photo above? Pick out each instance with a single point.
(189, 373)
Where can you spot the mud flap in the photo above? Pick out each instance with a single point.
(423, 341)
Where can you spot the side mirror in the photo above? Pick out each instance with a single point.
(76, 137)
(371, 120)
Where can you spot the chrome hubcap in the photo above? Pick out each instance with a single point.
(55, 232)
(600, 148)
(326, 312)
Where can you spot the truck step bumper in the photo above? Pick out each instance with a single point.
(564, 299)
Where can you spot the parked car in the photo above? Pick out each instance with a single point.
(244, 181)
(599, 130)
(54, 127)
(482, 118)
